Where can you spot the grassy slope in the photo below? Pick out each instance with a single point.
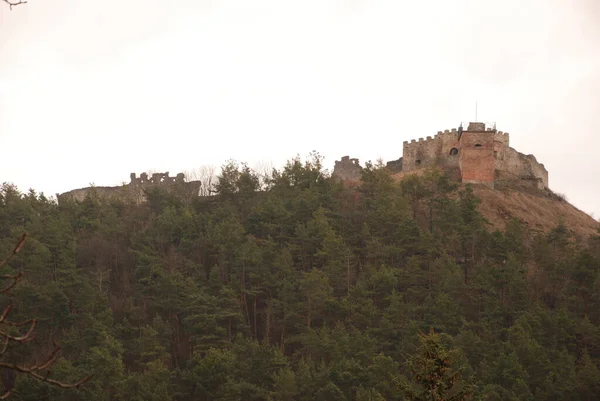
(540, 210)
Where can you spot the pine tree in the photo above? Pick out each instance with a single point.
(434, 378)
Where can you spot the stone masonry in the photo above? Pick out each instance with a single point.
(347, 169)
(137, 188)
(477, 154)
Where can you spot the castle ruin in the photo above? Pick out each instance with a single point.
(480, 154)
(137, 188)
(347, 169)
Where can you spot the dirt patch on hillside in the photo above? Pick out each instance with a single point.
(540, 210)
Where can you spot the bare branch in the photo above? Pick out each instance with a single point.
(24, 338)
(5, 313)
(30, 335)
(51, 359)
(14, 279)
(34, 371)
(17, 248)
(11, 4)
(31, 372)
(4, 348)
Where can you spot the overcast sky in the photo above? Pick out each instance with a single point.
(93, 90)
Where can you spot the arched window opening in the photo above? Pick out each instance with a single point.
(477, 145)
(453, 151)
(418, 162)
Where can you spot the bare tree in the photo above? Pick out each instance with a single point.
(207, 175)
(40, 371)
(264, 171)
(12, 3)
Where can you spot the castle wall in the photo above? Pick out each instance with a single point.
(501, 139)
(479, 154)
(394, 166)
(101, 192)
(430, 151)
(135, 190)
(538, 170)
(347, 169)
(450, 140)
(419, 154)
(511, 164)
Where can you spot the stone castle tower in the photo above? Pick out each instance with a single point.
(477, 154)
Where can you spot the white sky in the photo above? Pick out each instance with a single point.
(93, 90)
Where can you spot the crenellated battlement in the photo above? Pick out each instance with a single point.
(137, 186)
(502, 137)
(428, 144)
(479, 153)
(155, 179)
(445, 133)
(347, 169)
(427, 139)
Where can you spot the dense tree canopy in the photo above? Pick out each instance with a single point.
(298, 288)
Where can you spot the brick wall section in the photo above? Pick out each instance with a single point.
(470, 139)
(477, 156)
(477, 165)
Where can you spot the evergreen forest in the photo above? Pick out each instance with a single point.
(296, 287)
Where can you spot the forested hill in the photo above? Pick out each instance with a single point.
(298, 288)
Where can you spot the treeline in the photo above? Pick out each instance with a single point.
(304, 290)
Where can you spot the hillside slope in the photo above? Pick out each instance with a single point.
(540, 210)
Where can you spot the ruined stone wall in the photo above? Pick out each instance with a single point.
(137, 187)
(347, 169)
(501, 139)
(394, 166)
(122, 192)
(513, 165)
(156, 179)
(538, 170)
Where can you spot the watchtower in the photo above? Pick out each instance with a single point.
(476, 157)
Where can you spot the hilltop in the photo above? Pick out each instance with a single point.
(540, 210)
